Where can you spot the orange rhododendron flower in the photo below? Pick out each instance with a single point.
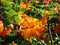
(32, 26)
(5, 32)
(25, 6)
(56, 9)
(1, 26)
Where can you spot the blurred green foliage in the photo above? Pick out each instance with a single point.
(37, 10)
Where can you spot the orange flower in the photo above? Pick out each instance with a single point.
(56, 9)
(27, 34)
(1, 26)
(36, 34)
(32, 26)
(7, 31)
(25, 6)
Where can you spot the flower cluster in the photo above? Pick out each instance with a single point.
(30, 26)
(24, 6)
(5, 32)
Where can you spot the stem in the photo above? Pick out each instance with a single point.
(50, 33)
(51, 36)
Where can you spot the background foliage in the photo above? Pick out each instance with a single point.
(9, 10)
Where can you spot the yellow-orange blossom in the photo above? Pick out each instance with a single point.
(25, 6)
(32, 26)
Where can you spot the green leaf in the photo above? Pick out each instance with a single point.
(42, 12)
(13, 12)
(16, 19)
(7, 3)
(51, 17)
(51, 12)
(21, 10)
(40, 6)
(56, 41)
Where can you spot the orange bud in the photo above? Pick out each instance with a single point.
(56, 9)
(1, 26)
